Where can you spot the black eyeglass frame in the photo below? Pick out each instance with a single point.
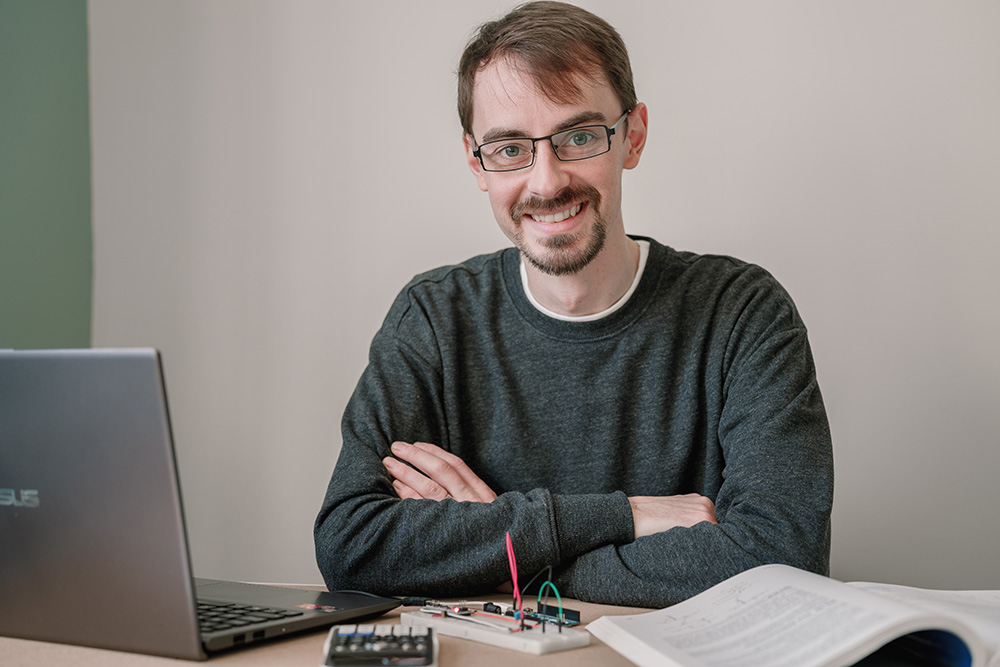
(478, 151)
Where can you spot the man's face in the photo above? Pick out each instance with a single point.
(558, 214)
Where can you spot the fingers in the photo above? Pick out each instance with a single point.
(438, 475)
(656, 514)
(475, 488)
(404, 491)
(693, 503)
(410, 483)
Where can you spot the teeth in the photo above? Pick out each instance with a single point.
(558, 217)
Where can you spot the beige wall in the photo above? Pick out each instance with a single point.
(251, 221)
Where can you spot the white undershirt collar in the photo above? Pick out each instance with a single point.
(643, 254)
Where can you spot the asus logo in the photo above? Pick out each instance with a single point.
(24, 498)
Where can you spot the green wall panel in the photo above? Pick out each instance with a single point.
(46, 259)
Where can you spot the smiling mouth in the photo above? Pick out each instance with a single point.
(557, 217)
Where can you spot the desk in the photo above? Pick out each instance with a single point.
(306, 649)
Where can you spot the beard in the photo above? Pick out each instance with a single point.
(564, 254)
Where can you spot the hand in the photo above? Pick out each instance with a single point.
(444, 474)
(656, 514)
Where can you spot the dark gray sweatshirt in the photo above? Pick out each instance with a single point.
(702, 383)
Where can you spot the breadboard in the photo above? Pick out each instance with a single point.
(531, 640)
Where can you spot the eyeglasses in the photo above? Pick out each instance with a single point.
(578, 143)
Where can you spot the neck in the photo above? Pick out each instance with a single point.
(594, 288)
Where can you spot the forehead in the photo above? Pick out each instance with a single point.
(506, 97)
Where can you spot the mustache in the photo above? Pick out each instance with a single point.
(563, 200)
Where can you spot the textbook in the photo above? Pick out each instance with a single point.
(779, 616)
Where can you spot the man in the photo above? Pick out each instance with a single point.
(645, 421)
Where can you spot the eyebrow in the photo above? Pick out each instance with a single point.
(582, 118)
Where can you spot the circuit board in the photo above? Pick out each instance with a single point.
(499, 630)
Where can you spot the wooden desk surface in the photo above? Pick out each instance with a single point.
(305, 650)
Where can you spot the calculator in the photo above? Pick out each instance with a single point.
(377, 645)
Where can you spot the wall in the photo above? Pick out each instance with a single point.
(45, 235)
(253, 220)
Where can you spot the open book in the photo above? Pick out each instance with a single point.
(779, 616)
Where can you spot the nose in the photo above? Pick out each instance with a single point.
(548, 176)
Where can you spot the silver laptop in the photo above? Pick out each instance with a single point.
(93, 549)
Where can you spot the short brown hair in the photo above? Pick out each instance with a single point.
(551, 42)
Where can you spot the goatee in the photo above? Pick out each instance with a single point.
(565, 255)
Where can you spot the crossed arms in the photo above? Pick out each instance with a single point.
(416, 519)
(436, 475)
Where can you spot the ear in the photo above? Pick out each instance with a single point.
(637, 127)
(475, 166)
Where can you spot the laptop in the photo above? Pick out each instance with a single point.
(93, 549)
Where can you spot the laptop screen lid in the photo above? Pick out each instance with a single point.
(93, 549)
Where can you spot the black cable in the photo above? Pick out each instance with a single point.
(413, 601)
(371, 595)
(525, 588)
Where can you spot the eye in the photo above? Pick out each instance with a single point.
(580, 138)
(507, 150)
(508, 153)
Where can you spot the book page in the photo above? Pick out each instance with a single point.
(980, 610)
(771, 616)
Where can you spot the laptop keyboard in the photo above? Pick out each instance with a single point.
(213, 617)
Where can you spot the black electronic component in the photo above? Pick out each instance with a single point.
(547, 613)
(373, 645)
(551, 613)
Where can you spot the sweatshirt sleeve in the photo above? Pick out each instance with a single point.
(774, 503)
(367, 538)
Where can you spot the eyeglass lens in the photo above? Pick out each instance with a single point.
(576, 144)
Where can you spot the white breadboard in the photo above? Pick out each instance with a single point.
(531, 640)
